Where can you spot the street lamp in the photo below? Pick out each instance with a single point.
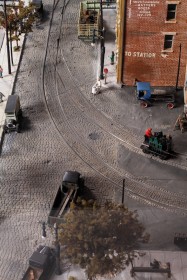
(123, 192)
(10, 30)
(7, 40)
(102, 38)
(58, 270)
(102, 57)
(57, 251)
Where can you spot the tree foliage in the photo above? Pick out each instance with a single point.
(20, 19)
(101, 240)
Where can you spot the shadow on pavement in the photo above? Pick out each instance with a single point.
(25, 124)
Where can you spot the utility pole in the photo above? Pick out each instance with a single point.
(7, 40)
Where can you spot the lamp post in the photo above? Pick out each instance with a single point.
(57, 251)
(102, 51)
(102, 42)
(123, 192)
(7, 40)
(10, 30)
(102, 39)
(58, 270)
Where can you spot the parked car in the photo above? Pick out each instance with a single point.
(41, 264)
(71, 187)
(13, 114)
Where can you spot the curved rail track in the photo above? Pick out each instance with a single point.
(71, 114)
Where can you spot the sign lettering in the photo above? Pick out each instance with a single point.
(143, 8)
(140, 54)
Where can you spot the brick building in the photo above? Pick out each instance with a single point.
(152, 41)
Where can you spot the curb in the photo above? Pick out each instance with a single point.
(13, 87)
(19, 63)
(1, 140)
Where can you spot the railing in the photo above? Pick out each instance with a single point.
(86, 30)
(89, 19)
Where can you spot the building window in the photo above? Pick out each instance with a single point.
(168, 42)
(171, 12)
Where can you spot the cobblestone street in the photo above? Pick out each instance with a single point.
(65, 127)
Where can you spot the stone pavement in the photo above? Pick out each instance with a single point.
(178, 259)
(7, 83)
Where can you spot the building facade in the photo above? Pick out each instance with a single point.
(152, 42)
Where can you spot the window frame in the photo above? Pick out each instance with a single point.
(171, 20)
(165, 41)
(171, 13)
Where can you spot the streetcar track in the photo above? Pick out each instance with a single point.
(124, 134)
(153, 195)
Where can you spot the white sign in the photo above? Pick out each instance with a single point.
(140, 54)
(144, 7)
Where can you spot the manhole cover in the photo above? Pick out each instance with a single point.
(94, 136)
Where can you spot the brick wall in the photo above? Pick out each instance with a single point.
(144, 58)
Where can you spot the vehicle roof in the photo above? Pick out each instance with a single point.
(71, 177)
(11, 103)
(143, 86)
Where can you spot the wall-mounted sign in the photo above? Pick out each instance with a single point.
(143, 8)
(140, 54)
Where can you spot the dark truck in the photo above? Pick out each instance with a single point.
(13, 114)
(71, 187)
(41, 264)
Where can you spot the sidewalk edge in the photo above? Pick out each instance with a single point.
(19, 62)
(13, 87)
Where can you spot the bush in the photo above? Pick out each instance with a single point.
(16, 49)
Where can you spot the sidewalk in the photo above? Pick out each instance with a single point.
(178, 259)
(178, 264)
(7, 82)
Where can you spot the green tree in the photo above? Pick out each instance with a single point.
(20, 19)
(102, 240)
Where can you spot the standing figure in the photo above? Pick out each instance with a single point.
(148, 134)
(1, 72)
(1, 97)
(112, 58)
